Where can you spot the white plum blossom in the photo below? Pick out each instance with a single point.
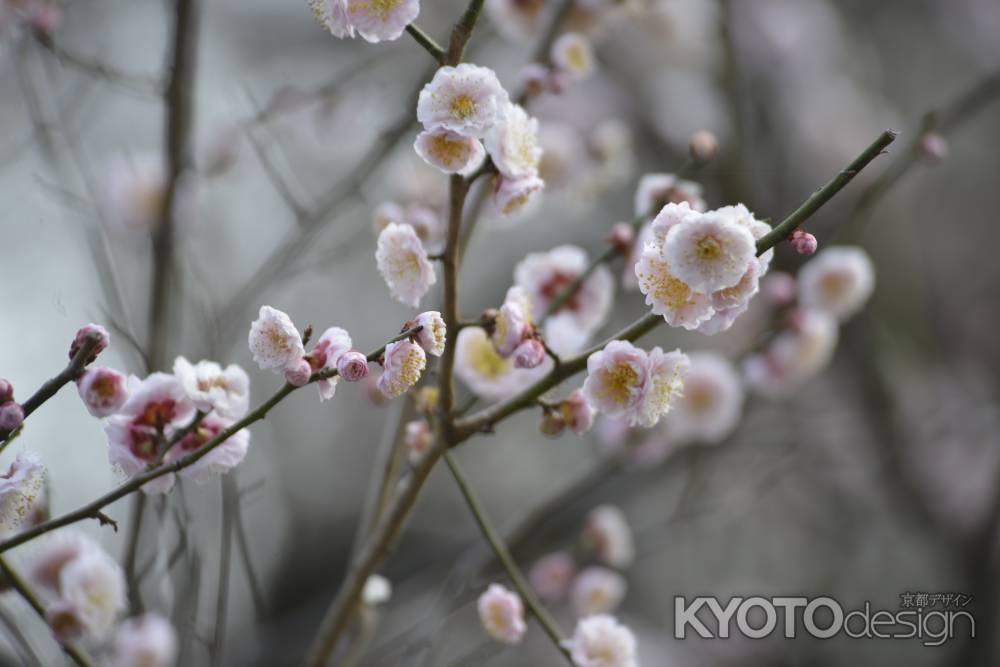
(134, 193)
(709, 252)
(404, 361)
(601, 641)
(656, 190)
(546, 274)
(577, 412)
(668, 295)
(434, 334)
(275, 343)
(664, 385)
(573, 54)
(597, 590)
(551, 575)
(213, 388)
(20, 487)
(513, 197)
(449, 151)
(331, 346)
(485, 372)
(502, 614)
(377, 591)
(426, 222)
(712, 402)
(145, 641)
(794, 355)
(94, 586)
(625, 381)
(417, 439)
(512, 142)
(332, 15)
(220, 459)
(381, 20)
(513, 322)
(838, 281)
(402, 261)
(517, 20)
(467, 99)
(607, 532)
(102, 390)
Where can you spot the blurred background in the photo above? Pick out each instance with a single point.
(879, 476)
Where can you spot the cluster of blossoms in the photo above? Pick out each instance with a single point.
(699, 270)
(831, 288)
(374, 20)
(572, 59)
(279, 347)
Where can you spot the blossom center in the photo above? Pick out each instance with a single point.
(618, 382)
(463, 106)
(709, 248)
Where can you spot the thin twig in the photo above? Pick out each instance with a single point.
(427, 42)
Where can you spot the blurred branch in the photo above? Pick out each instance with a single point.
(137, 82)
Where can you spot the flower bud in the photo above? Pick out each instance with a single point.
(352, 366)
(298, 374)
(6, 391)
(11, 416)
(933, 147)
(529, 354)
(553, 423)
(703, 146)
(621, 237)
(577, 412)
(81, 337)
(103, 391)
(803, 242)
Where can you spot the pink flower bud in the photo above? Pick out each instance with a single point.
(352, 366)
(529, 354)
(103, 391)
(803, 242)
(703, 146)
(621, 237)
(577, 412)
(553, 423)
(11, 416)
(81, 337)
(933, 147)
(6, 391)
(298, 374)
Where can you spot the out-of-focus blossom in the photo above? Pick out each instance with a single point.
(607, 532)
(274, 341)
(573, 54)
(578, 412)
(11, 416)
(837, 281)
(133, 193)
(563, 154)
(551, 576)
(426, 222)
(778, 288)
(220, 459)
(703, 146)
(512, 197)
(597, 590)
(20, 487)
(712, 402)
(513, 322)
(403, 263)
(657, 190)
(512, 142)
(552, 424)
(145, 641)
(94, 586)
(417, 438)
(449, 151)
(485, 372)
(334, 343)
(709, 252)
(466, 99)
(601, 641)
(64, 622)
(516, 19)
(211, 387)
(433, 335)
(404, 361)
(84, 332)
(794, 355)
(377, 591)
(502, 614)
(102, 390)
(50, 554)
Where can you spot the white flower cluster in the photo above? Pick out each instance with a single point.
(374, 20)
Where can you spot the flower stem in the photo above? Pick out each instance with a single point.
(423, 39)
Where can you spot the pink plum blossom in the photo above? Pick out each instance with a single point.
(597, 590)
(104, 339)
(709, 252)
(352, 366)
(102, 390)
(334, 343)
(381, 20)
(449, 151)
(145, 641)
(433, 334)
(837, 281)
(404, 362)
(657, 190)
(601, 641)
(551, 575)
(402, 261)
(513, 197)
(607, 532)
(578, 412)
(502, 614)
(274, 341)
(712, 402)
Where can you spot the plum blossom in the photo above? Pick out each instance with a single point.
(102, 390)
(274, 341)
(377, 590)
(794, 355)
(211, 387)
(551, 575)
(668, 295)
(145, 641)
(426, 222)
(664, 385)
(466, 99)
(299, 373)
(513, 322)
(326, 354)
(221, 459)
(545, 275)
(656, 190)
(133, 193)
(449, 151)
(20, 488)
(381, 20)
(607, 532)
(485, 372)
(403, 364)
(597, 590)
(837, 281)
(712, 402)
(352, 366)
(601, 641)
(433, 334)
(417, 439)
(104, 339)
(573, 54)
(577, 412)
(332, 15)
(709, 252)
(93, 585)
(502, 614)
(529, 354)
(513, 197)
(402, 261)
(516, 20)
(157, 406)
(512, 142)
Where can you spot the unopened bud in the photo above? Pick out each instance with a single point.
(553, 423)
(6, 391)
(621, 237)
(803, 242)
(703, 146)
(83, 334)
(11, 416)
(299, 373)
(529, 354)
(352, 366)
(933, 147)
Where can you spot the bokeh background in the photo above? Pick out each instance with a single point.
(879, 477)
